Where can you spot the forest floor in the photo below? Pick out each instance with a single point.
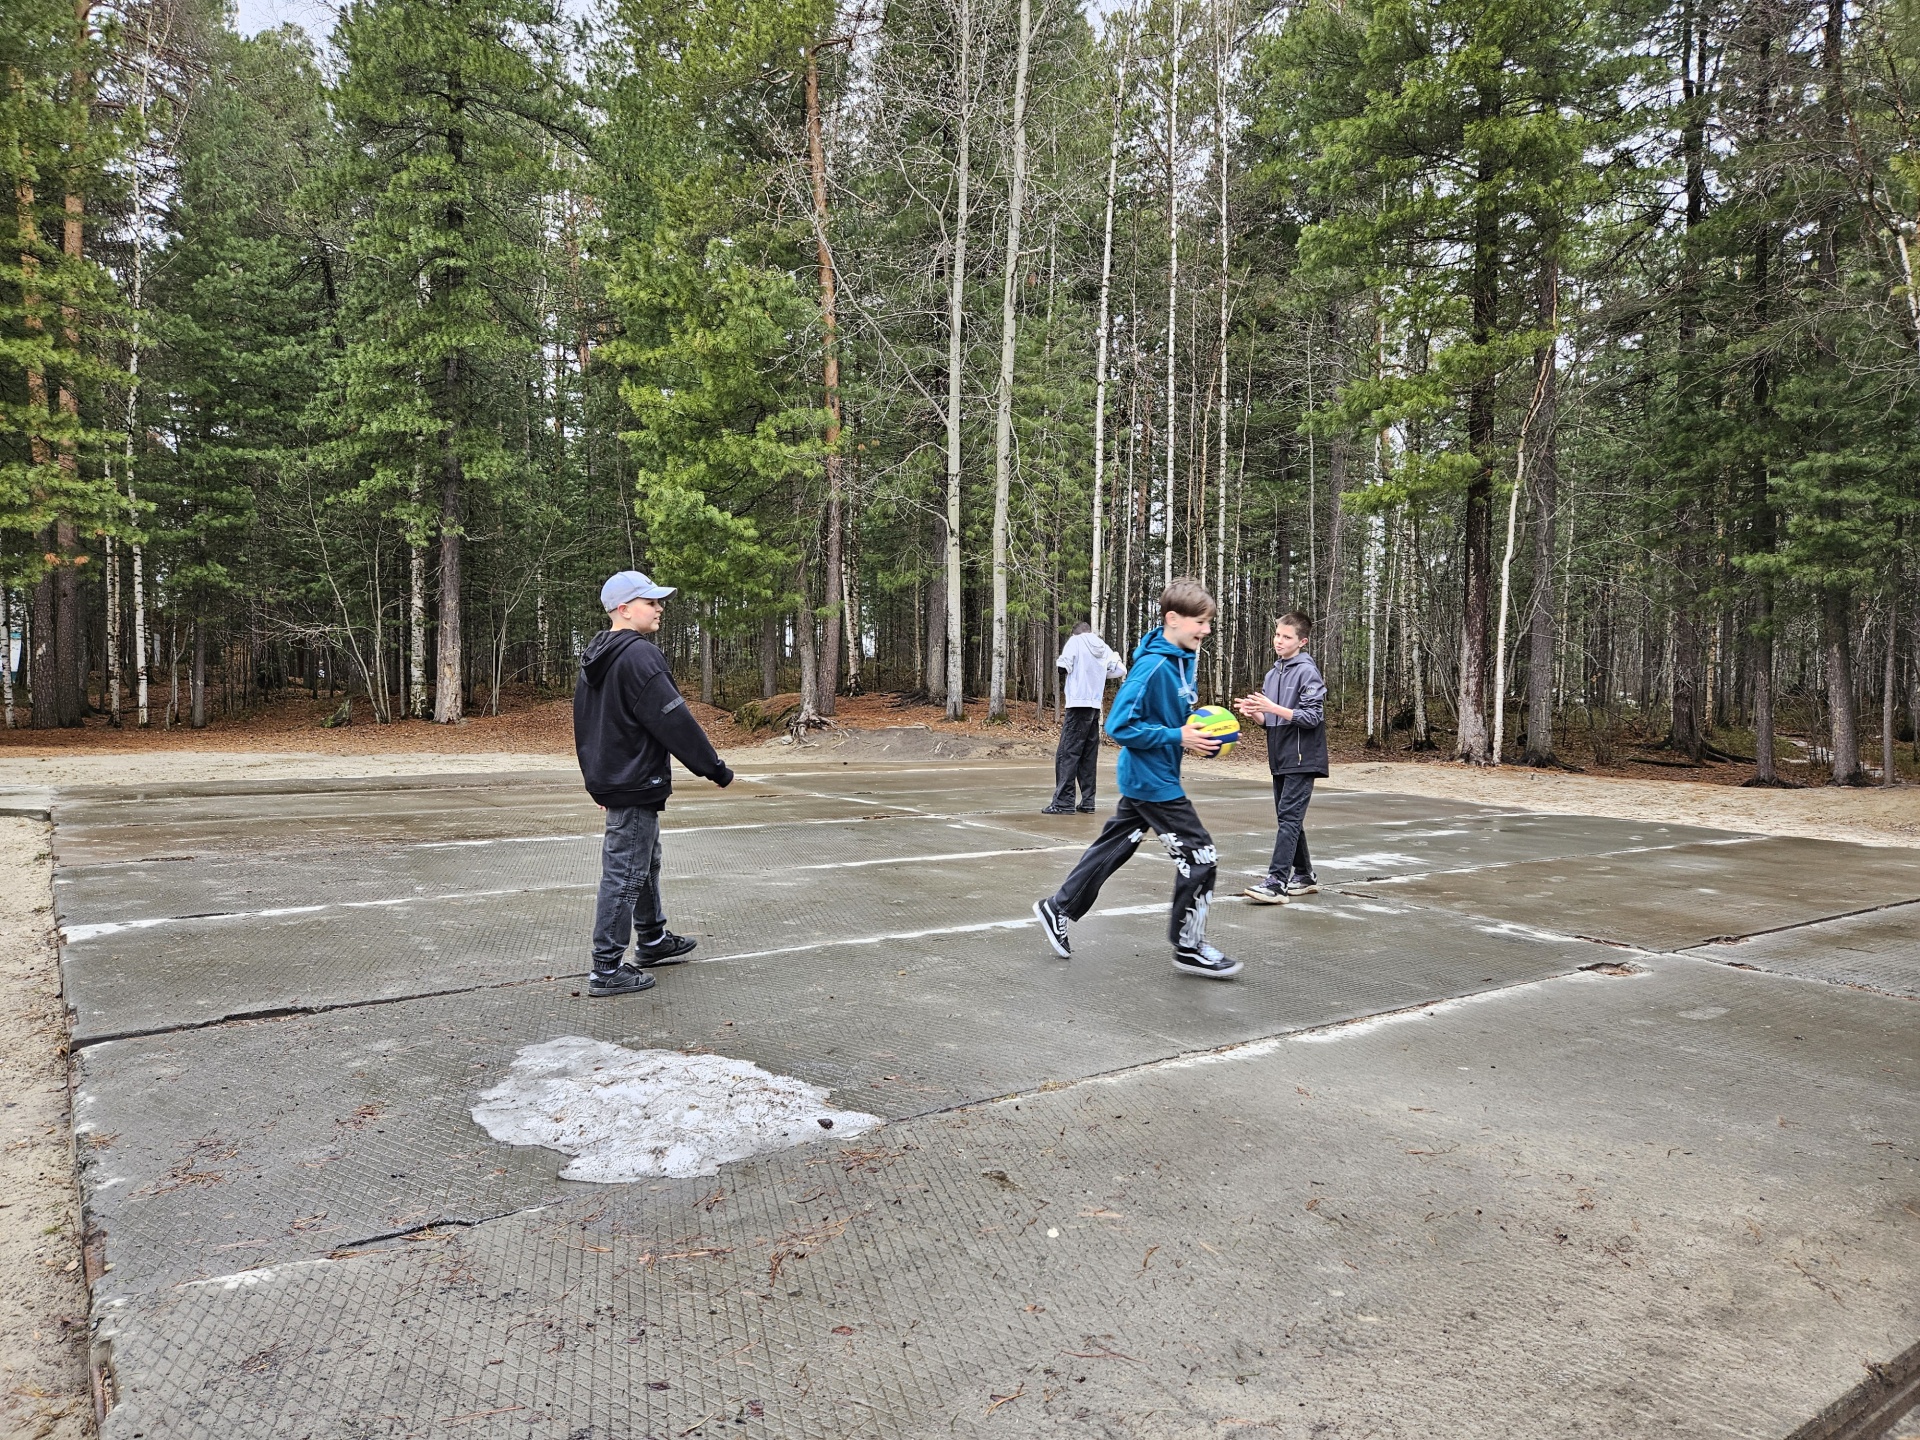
(42, 1319)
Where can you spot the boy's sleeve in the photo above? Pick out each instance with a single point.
(1116, 669)
(659, 706)
(1128, 725)
(1311, 709)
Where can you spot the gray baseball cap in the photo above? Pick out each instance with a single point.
(630, 585)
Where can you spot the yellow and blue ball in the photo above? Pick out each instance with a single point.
(1217, 724)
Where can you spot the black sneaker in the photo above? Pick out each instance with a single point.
(1084, 809)
(1206, 962)
(669, 949)
(1267, 892)
(624, 981)
(1308, 886)
(1058, 810)
(1054, 926)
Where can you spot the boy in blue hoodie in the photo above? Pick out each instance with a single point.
(1149, 722)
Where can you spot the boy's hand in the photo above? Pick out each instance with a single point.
(1255, 705)
(1196, 741)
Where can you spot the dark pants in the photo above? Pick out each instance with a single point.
(1077, 757)
(1290, 859)
(1187, 843)
(629, 903)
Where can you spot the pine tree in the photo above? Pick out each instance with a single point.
(58, 315)
(452, 111)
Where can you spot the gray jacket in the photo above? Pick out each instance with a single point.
(1297, 746)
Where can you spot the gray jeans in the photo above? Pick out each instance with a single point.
(629, 903)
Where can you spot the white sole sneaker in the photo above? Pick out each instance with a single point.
(1054, 939)
(1207, 972)
(1259, 897)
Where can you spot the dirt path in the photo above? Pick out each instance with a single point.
(43, 1300)
(1868, 817)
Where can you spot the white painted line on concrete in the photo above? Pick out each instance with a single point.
(664, 830)
(74, 934)
(922, 859)
(978, 928)
(1569, 860)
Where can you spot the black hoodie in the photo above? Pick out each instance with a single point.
(628, 716)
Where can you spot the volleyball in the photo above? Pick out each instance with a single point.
(1217, 724)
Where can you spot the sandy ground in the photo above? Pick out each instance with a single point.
(44, 1390)
(192, 767)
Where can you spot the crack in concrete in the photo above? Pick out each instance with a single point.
(284, 1012)
(1798, 925)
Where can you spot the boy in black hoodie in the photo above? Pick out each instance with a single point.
(628, 718)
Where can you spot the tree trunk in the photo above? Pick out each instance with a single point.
(936, 643)
(111, 659)
(1541, 639)
(769, 657)
(1888, 774)
(6, 653)
(1762, 528)
(448, 701)
(1686, 701)
(1173, 287)
(830, 377)
(1474, 742)
(1421, 739)
(1764, 770)
(197, 679)
(1223, 25)
(955, 646)
(804, 642)
(1836, 618)
(449, 698)
(850, 599)
(417, 631)
(1003, 393)
(1096, 605)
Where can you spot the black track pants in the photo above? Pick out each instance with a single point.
(1290, 859)
(1187, 842)
(1076, 759)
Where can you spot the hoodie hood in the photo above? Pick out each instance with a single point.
(605, 648)
(1186, 663)
(1155, 642)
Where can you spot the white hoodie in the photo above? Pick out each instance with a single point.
(1089, 664)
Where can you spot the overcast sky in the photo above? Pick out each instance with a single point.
(253, 16)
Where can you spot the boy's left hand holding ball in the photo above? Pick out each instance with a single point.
(1196, 741)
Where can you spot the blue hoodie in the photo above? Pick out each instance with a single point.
(1148, 715)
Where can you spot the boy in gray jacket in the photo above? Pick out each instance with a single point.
(1290, 704)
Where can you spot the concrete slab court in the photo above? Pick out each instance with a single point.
(1669, 898)
(1432, 1166)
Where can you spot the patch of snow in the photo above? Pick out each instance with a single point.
(1379, 860)
(628, 1114)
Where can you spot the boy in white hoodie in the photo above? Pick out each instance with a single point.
(1089, 665)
